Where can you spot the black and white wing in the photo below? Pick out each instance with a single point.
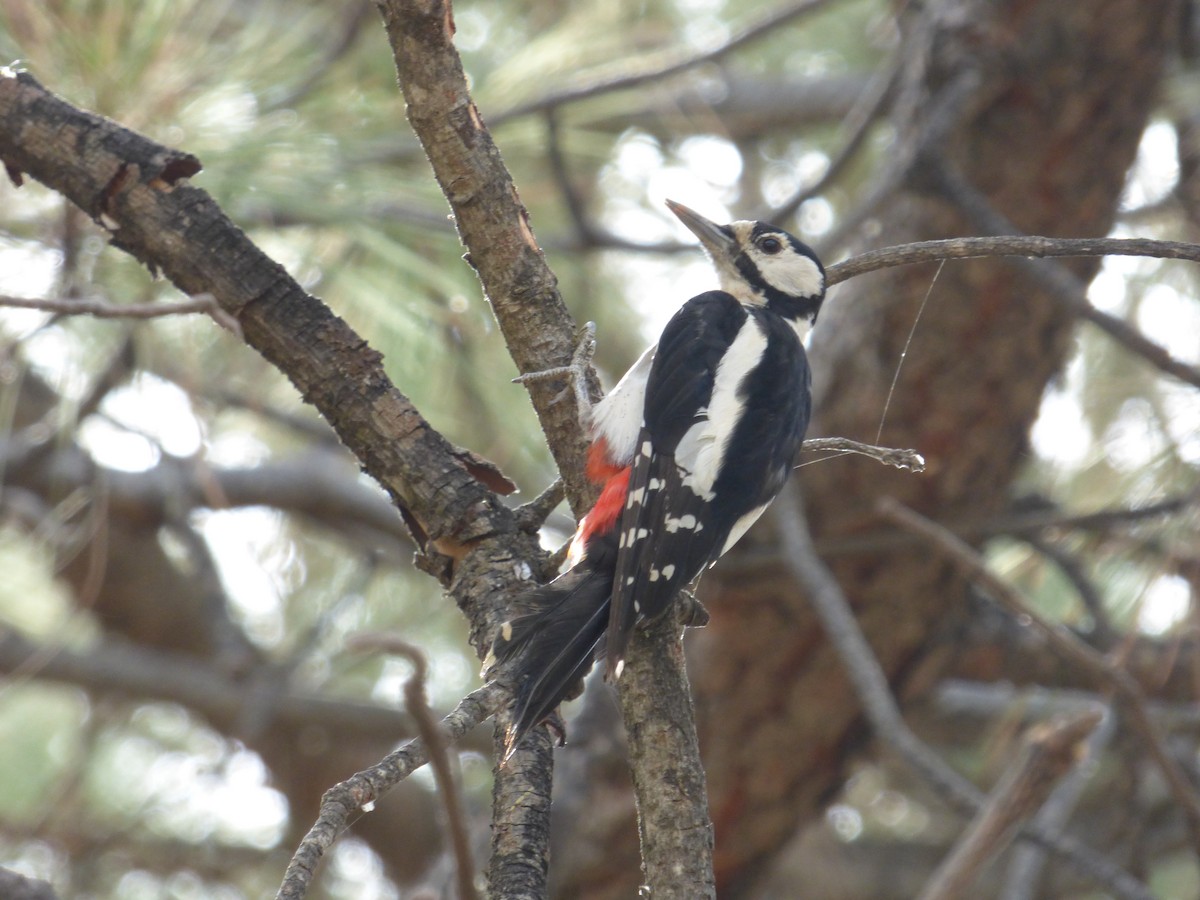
(666, 536)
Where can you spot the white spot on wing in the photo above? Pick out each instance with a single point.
(687, 523)
(668, 571)
(654, 574)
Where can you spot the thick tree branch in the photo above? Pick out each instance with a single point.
(139, 191)
(491, 220)
(674, 829)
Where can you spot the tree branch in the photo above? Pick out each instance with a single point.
(669, 784)
(889, 456)
(139, 191)
(1006, 245)
(435, 745)
(202, 303)
(1105, 670)
(1048, 753)
(874, 692)
(360, 791)
(657, 68)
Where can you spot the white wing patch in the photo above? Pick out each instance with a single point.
(618, 417)
(742, 525)
(702, 447)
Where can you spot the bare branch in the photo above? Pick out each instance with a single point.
(871, 685)
(669, 783)
(657, 68)
(127, 670)
(889, 456)
(1061, 283)
(1105, 670)
(1048, 753)
(139, 191)
(491, 221)
(360, 791)
(435, 745)
(1006, 245)
(539, 333)
(201, 303)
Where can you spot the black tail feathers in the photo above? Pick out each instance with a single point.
(552, 648)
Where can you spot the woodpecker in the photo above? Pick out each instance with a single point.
(689, 449)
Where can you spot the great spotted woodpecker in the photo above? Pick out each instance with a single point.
(690, 447)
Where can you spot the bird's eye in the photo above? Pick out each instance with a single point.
(770, 245)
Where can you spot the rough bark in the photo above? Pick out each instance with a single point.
(139, 191)
(1048, 137)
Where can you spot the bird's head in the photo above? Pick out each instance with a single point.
(761, 264)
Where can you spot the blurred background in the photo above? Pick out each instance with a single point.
(185, 547)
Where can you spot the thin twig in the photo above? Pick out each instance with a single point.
(879, 706)
(1028, 861)
(855, 127)
(439, 759)
(1048, 753)
(1006, 245)
(889, 456)
(200, 303)
(360, 791)
(1061, 284)
(658, 69)
(1105, 670)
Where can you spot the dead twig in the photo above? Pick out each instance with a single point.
(889, 456)
(435, 744)
(1106, 670)
(879, 706)
(200, 303)
(1006, 245)
(657, 68)
(1048, 753)
(360, 791)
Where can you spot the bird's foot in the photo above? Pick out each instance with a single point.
(575, 372)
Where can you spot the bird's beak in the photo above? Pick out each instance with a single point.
(716, 241)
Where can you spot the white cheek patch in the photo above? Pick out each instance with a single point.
(789, 272)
